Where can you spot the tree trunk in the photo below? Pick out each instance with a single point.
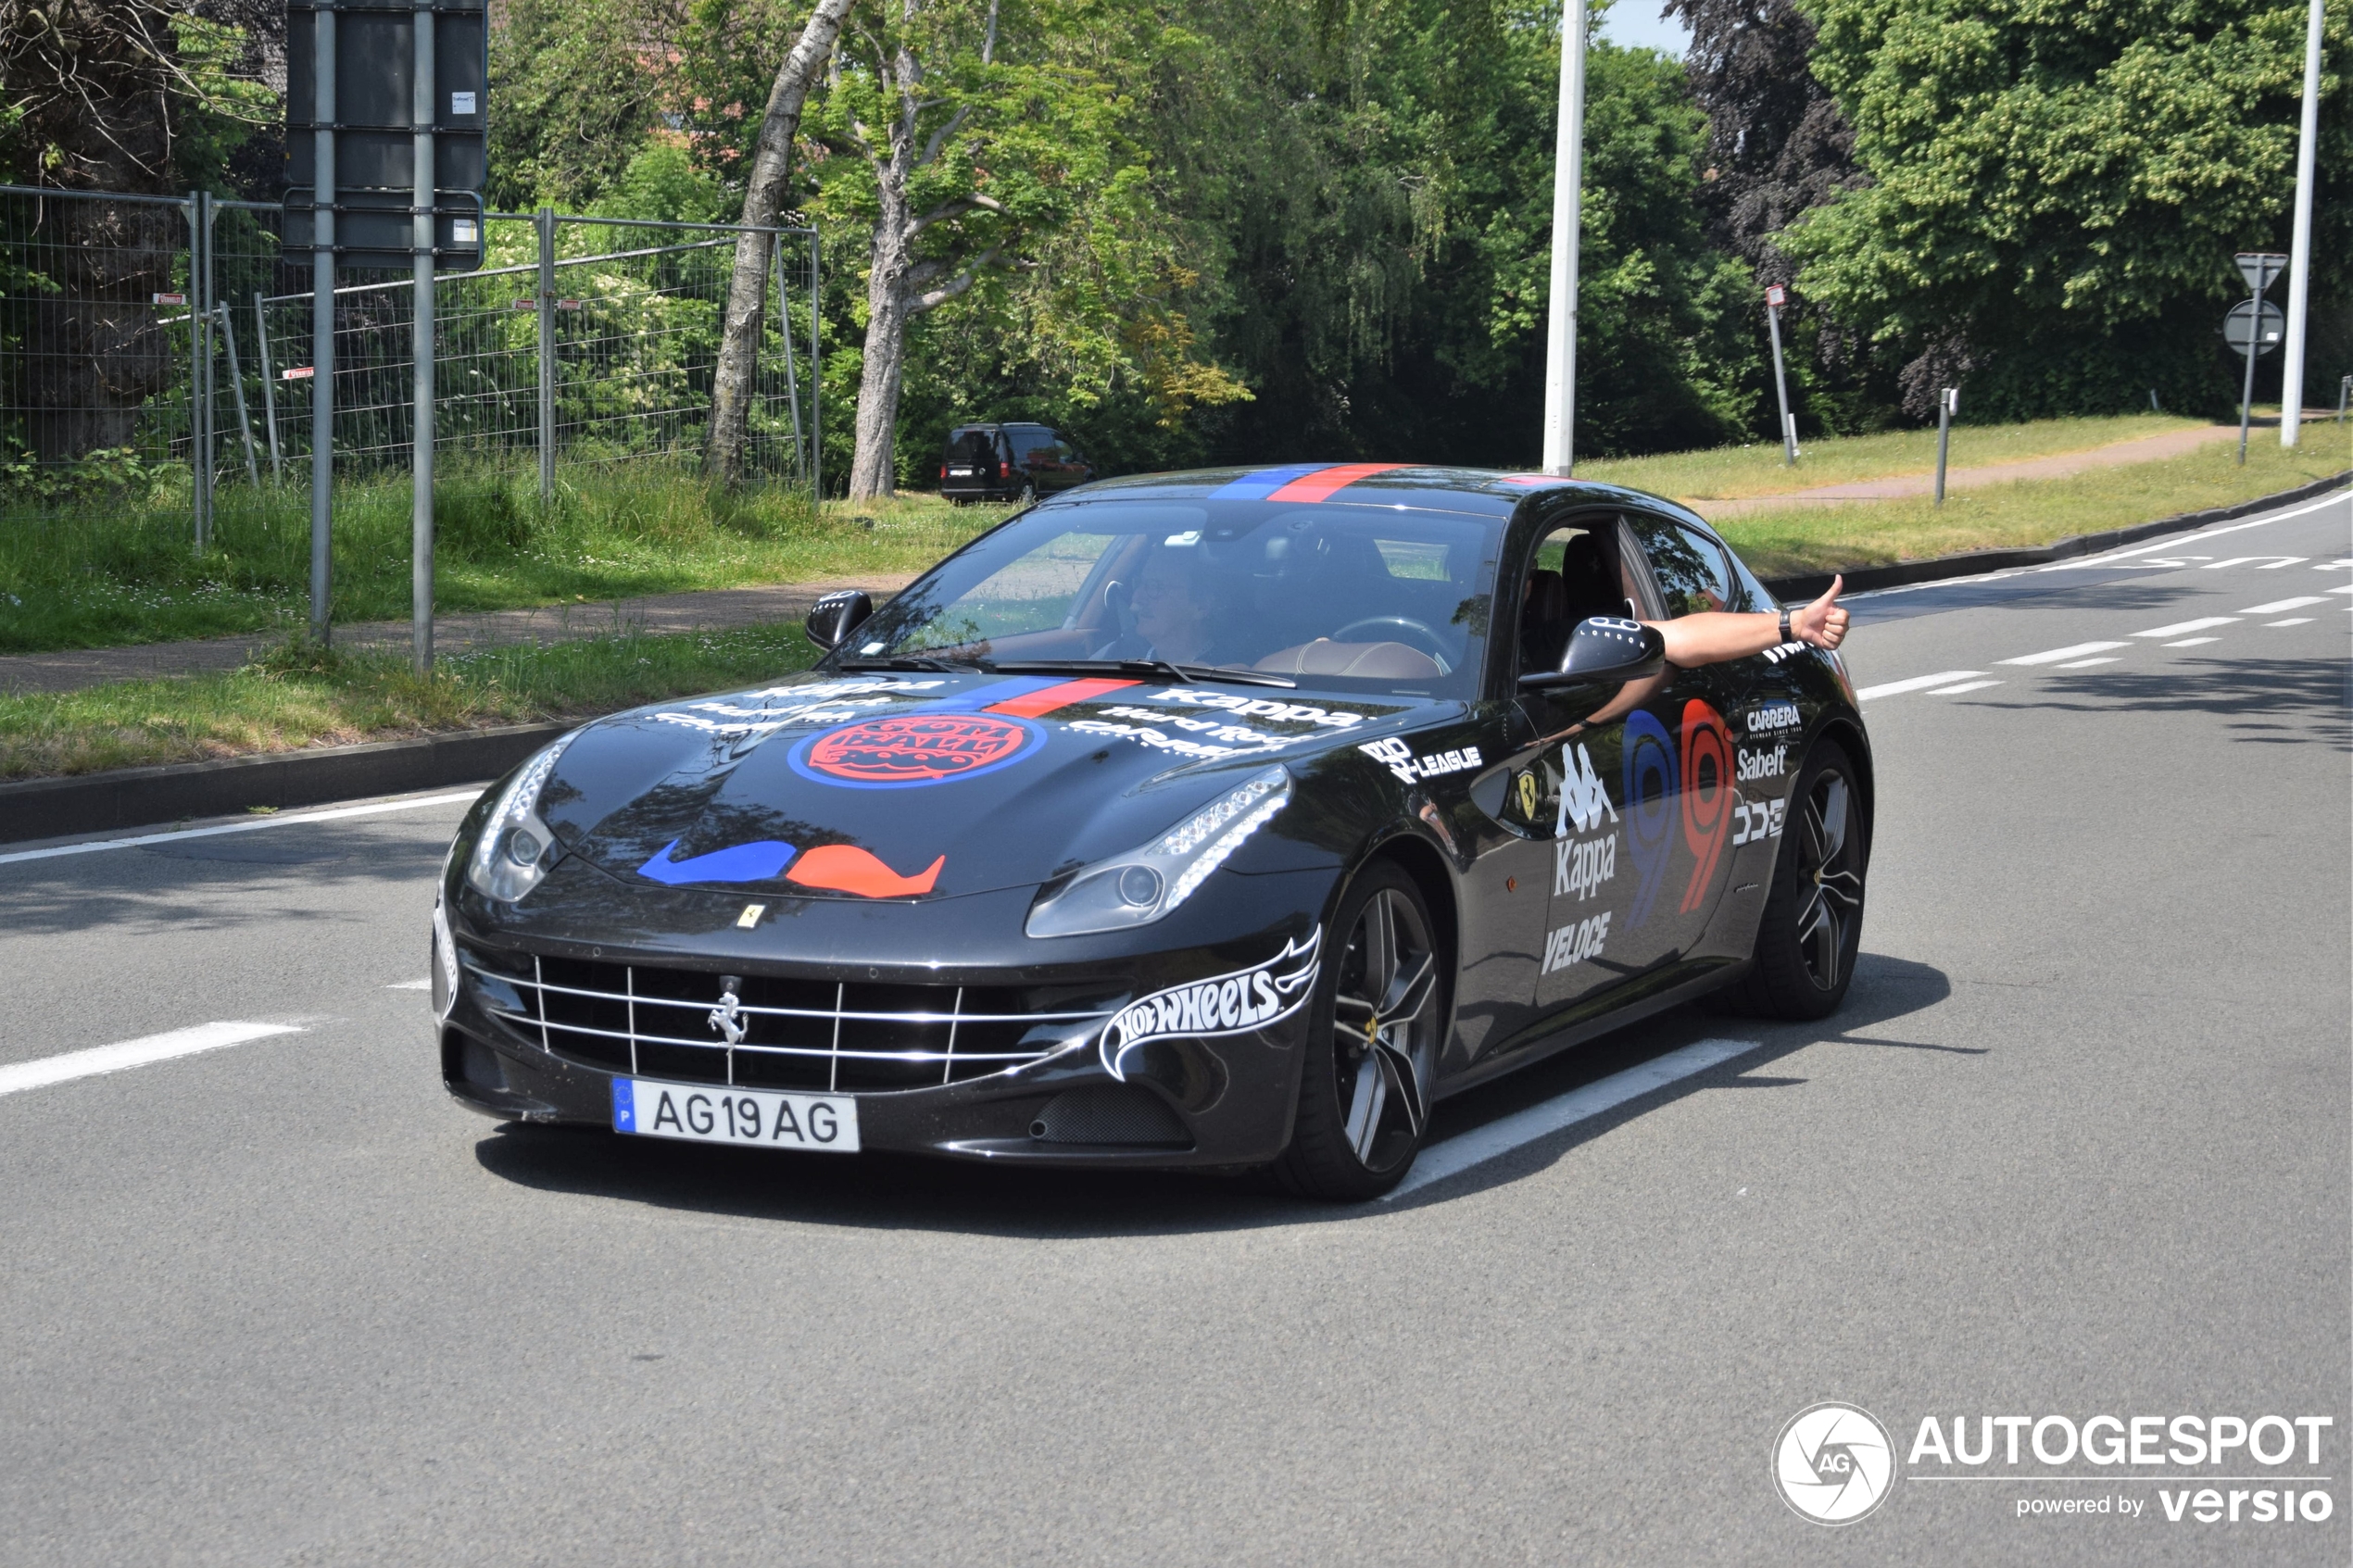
(764, 200)
(95, 354)
(890, 303)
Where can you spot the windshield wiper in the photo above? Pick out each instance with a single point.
(1184, 672)
(937, 666)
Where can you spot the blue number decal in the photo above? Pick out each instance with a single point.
(1650, 806)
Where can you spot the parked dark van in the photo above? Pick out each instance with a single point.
(1008, 462)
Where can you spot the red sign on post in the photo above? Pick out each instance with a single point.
(1776, 295)
(300, 372)
(171, 299)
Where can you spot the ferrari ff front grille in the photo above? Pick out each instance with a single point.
(760, 1032)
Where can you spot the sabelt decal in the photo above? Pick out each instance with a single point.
(1575, 942)
(1397, 757)
(1749, 765)
(913, 750)
(1774, 717)
(1235, 1003)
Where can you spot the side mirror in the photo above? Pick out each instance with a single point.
(836, 616)
(1604, 650)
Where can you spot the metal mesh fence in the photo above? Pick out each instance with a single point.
(581, 340)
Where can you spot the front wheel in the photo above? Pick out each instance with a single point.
(1813, 924)
(1372, 1045)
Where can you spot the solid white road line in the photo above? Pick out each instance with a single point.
(253, 826)
(2192, 642)
(2281, 607)
(2277, 562)
(47, 1069)
(2291, 621)
(1964, 686)
(2343, 588)
(2052, 656)
(1501, 1136)
(1917, 682)
(2200, 624)
(2087, 663)
(2170, 545)
(425, 985)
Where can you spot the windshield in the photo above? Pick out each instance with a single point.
(1354, 598)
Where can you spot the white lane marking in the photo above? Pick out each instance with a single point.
(1964, 686)
(44, 1070)
(2291, 621)
(1505, 1134)
(2052, 656)
(2192, 642)
(1916, 683)
(2277, 562)
(2175, 542)
(253, 826)
(2200, 624)
(2281, 607)
(425, 985)
(2087, 663)
(2343, 588)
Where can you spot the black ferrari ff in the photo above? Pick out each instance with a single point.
(1219, 819)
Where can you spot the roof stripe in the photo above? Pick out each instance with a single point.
(1265, 482)
(1320, 485)
(1039, 703)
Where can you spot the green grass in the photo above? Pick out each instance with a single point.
(1796, 540)
(1725, 472)
(299, 694)
(116, 569)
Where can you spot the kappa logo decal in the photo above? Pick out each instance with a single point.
(1223, 1003)
(1583, 801)
(911, 750)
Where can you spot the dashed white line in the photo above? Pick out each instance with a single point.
(2343, 588)
(1917, 682)
(44, 1070)
(1501, 1136)
(2179, 627)
(2277, 562)
(1964, 686)
(2281, 607)
(2192, 642)
(253, 826)
(425, 985)
(2291, 621)
(2087, 663)
(2053, 656)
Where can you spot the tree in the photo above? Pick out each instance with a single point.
(2058, 188)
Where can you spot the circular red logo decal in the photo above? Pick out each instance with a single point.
(916, 748)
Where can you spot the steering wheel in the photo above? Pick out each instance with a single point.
(1432, 644)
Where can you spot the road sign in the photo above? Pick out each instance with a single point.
(375, 121)
(2261, 269)
(1776, 295)
(2270, 329)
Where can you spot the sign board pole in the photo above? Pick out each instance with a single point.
(1948, 402)
(200, 341)
(1568, 177)
(1773, 297)
(422, 115)
(544, 226)
(2300, 246)
(2246, 390)
(816, 381)
(269, 388)
(322, 310)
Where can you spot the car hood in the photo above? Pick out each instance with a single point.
(922, 785)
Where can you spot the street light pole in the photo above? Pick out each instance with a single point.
(1568, 175)
(2300, 247)
(1775, 297)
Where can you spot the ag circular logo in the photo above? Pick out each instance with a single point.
(1834, 1463)
(902, 751)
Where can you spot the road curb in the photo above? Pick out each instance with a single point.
(1970, 563)
(132, 797)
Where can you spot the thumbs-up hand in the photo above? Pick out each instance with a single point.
(1822, 624)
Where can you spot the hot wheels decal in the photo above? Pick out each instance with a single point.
(1234, 1003)
(911, 750)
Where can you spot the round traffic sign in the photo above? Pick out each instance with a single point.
(2242, 325)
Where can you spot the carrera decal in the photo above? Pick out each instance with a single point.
(1060, 694)
(739, 862)
(1707, 795)
(1234, 1003)
(844, 868)
(1650, 807)
(911, 750)
(1774, 716)
(1321, 484)
(1260, 485)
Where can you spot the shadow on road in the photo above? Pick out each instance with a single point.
(235, 880)
(2270, 701)
(889, 1192)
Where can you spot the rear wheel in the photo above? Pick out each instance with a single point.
(1372, 1043)
(1813, 923)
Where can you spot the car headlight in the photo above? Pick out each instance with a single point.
(1137, 888)
(516, 849)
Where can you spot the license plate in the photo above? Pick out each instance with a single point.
(710, 1113)
(960, 474)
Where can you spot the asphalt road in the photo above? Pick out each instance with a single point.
(2078, 1146)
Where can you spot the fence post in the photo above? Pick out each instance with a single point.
(237, 388)
(423, 116)
(322, 316)
(545, 223)
(200, 341)
(816, 382)
(268, 387)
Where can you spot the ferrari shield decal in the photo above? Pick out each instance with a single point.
(1235, 1003)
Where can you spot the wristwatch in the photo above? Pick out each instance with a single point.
(1785, 636)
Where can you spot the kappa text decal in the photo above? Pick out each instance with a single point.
(1223, 1003)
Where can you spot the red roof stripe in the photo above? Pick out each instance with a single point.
(1047, 699)
(1319, 485)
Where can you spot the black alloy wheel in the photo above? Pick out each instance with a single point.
(1813, 922)
(1372, 1043)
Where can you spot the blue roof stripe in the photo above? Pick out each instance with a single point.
(1265, 482)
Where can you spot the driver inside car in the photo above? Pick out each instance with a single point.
(1172, 615)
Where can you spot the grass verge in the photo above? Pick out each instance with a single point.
(299, 694)
(1850, 533)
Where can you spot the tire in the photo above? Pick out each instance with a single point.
(1355, 1136)
(1813, 922)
